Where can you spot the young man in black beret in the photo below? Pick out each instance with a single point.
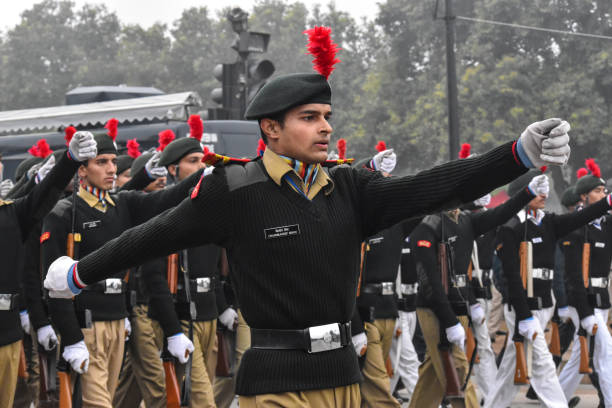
(293, 231)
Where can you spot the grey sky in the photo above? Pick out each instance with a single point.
(146, 12)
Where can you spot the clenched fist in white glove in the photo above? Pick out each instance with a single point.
(528, 328)
(46, 337)
(539, 185)
(229, 318)
(456, 335)
(589, 324)
(544, 143)
(6, 186)
(154, 170)
(384, 161)
(45, 169)
(477, 313)
(483, 201)
(360, 342)
(25, 321)
(82, 146)
(564, 313)
(77, 356)
(180, 347)
(61, 276)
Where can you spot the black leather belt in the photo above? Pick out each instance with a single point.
(383, 288)
(313, 339)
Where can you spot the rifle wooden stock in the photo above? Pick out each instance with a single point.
(23, 368)
(224, 368)
(520, 370)
(443, 265)
(524, 264)
(364, 249)
(453, 386)
(470, 346)
(43, 371)
(65, 392)
(173, 397)
(172, 268)
(555, 340)
(584, 355)
(586, 258)
(389, 367)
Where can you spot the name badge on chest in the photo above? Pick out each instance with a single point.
(376, 240)
(282, 232)
(600, 245)
(536, 240)
(91, 224)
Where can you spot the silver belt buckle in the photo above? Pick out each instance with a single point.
(409, 289)
(5, 301)
(202, 285)
(113, 286)
(599, 282)
(543, 273)
(460, 281)
(324, 338)
(387, 288)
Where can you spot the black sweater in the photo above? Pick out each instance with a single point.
(17, 220)
(306, 276)
(544, 239)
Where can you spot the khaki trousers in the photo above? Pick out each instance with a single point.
(224, 386)
(376, 386)
(429, 390)
(495, 315)
(204, 362)
(9, 367)
(340, 397)
(105, 342)
(142, 377)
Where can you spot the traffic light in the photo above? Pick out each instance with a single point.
(258, 72)
(231, 94)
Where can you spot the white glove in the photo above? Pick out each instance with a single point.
(539, 185)
(542, 150)
(45, 169)
(456, 335)
(528, 328)
(77, 356)
(180, 347)
(564, 313)
(128, 328)
(25, 321)
(6, 186)
(384, 161)
(229, 318)
(154, 170)
(477, 313)
(360, 342)
(588, 323)
(60, 280)
(46, 337)
(483, 201)
(83, 146)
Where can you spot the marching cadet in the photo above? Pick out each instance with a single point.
(94, 326)
(293, 231)
(17, 218)
(445, 299)
(531, 316)
(587, 286)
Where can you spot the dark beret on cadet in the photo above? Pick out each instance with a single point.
(179, 148)
(588, 183)
(569, 197)
(25, 165)
(124, 162)
(105, 144)
(139, 163)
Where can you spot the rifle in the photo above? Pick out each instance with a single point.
(521, 375)
(470, 346)
(47, 369)
(555, 340)
(186, 388)
(22, 371)
(172, 389)
(224, 365)
(582, 334)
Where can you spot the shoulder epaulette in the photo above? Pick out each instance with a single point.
(214, 159)
(338, 162)
(5, 202)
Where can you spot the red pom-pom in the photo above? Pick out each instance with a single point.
(133, 148)
(43, 148)
(68, 133)
(464, 153)
(323, 49)
(165, 137)
(34, 151)
(111, 125)
(205, 150)
(581, 172)
(341, 146)
(381, 146)
(196, 127)
(543, 169)
(261, 148)
(593, 167)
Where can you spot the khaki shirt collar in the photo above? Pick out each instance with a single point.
(92, 200)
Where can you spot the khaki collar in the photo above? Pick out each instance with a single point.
(277, 168)
(91, 199)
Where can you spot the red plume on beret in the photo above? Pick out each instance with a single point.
(593, 167)
(261, 148)
(581, 172)
(341, 146)
(323, 49)
(196, 127)
(165, 137)
(464, 153)
(111, 125)
(133, 148)
(381, 146)
(543, 169)
(68, 133)
(40, 149)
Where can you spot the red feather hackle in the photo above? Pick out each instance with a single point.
(112, 125)
(581, 172)
(164, 139)
(464, 153)
(381, 146)
(593, 167)
(43, 148)
(133, 148)
(196, 127)
(323, 49)
(68, 133)
(341, 146)
(261, 147)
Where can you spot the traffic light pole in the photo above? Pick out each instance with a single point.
(451, 81)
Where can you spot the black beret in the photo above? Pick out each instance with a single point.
(179, 148)
(569, 197)
(58, 154)
(139, 163)
(124, 162)
(522, 182)
(587, 183)
(105, 144)
(25, 165)
(286, 92)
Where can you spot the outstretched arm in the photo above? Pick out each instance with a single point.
(485, 221)
(566, 223)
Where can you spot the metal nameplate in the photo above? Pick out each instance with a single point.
(324, 338)
(387, 288)
(282, 232)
